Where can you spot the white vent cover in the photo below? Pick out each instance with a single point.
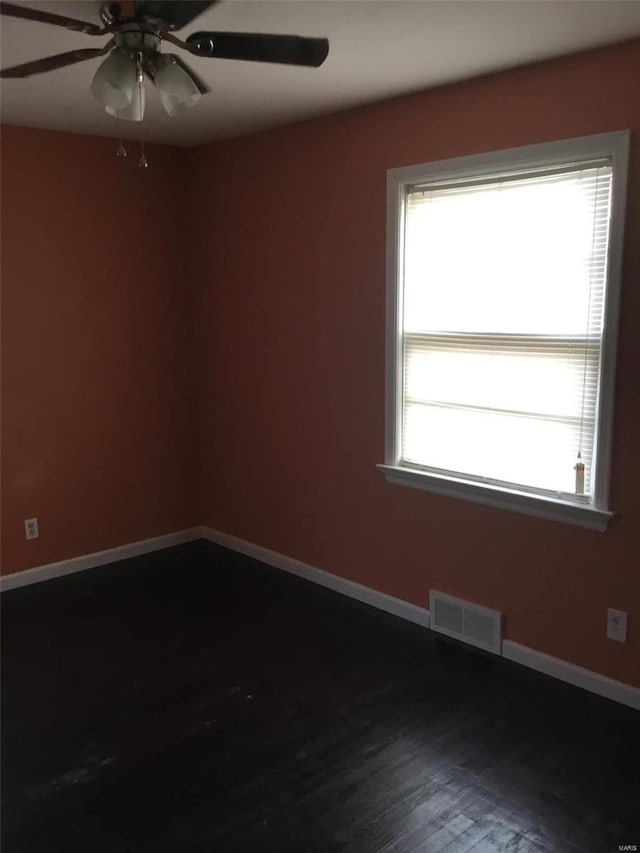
(466, 621)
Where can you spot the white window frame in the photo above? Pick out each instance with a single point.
(595, 514)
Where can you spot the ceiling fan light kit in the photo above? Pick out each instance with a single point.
(119, 81)
(134, 111)
(137, 29)
(114, 82)
(177, 89)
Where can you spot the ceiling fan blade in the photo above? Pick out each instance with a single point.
(50, 63)
(260, 47)
(14, 11)
(178, 13)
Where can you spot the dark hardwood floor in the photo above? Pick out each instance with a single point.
(193, 700)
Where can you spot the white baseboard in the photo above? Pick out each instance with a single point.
(396, 606)
(99, 558)
(555, 667)
(573, 674)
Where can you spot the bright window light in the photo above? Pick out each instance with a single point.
(500, 284)
(502, 339)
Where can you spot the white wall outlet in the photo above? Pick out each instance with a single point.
(31, 528)
(617, 625)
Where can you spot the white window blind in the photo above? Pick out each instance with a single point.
(502, 321)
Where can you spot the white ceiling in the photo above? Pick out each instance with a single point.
(378, 48)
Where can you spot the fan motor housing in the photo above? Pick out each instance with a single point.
(136, 40)
(121, 17)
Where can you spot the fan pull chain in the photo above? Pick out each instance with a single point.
(142, 162)
(121, 152)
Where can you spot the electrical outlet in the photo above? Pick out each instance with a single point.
(31, 528)
(617, 625)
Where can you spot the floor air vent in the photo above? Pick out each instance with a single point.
(466, 621)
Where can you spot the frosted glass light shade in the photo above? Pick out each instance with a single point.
(134, 111)
(177, 90)
(115, 80)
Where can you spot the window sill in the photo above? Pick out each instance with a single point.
(542, 507)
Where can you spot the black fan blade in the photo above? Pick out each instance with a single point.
(14, 11)
(178, 13)
(50, 63)
(260, 47)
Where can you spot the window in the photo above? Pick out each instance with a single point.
(503, 287)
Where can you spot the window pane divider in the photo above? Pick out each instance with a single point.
(574, 419)
(500, 339)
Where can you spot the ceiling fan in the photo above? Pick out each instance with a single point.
(137, 29)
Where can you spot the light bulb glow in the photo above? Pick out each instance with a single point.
(115, 80)
(177, 90)
(134, 111)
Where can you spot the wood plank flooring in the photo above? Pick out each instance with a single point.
(194, 700)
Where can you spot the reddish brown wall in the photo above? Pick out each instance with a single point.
(287, 257)
(291, 258)
(96, 373)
